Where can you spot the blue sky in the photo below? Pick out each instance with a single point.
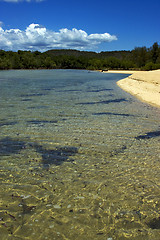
(84, 25)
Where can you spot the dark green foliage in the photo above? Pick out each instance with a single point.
(155, 51)
(25, 60)
(140, 58)
(151, 66)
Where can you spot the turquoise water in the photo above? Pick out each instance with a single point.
(79, 158)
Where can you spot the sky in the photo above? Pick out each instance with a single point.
(89, 25)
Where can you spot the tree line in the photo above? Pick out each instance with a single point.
(140, 58)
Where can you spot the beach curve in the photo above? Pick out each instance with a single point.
(145, 85)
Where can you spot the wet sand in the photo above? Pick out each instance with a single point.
(122, 71)
(145, 85)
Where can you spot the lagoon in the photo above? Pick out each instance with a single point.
(79, 158)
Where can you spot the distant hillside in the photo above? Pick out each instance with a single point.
(71, 52)
(117, 54)
(77, 53)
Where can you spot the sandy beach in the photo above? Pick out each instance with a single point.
(122, 71)
(145, 85)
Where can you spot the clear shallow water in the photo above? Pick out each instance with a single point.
(79, 158)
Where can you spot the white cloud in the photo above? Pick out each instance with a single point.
(37, 37)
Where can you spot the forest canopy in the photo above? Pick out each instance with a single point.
(140, 58)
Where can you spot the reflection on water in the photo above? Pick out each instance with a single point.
(77, 162)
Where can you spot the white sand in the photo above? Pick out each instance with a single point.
(145, 85)
(122, 71)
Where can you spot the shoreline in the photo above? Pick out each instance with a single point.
(144, 85)
(122, 71)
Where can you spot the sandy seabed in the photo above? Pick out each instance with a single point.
(145, 85)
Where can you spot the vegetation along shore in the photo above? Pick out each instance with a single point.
(140, 58)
